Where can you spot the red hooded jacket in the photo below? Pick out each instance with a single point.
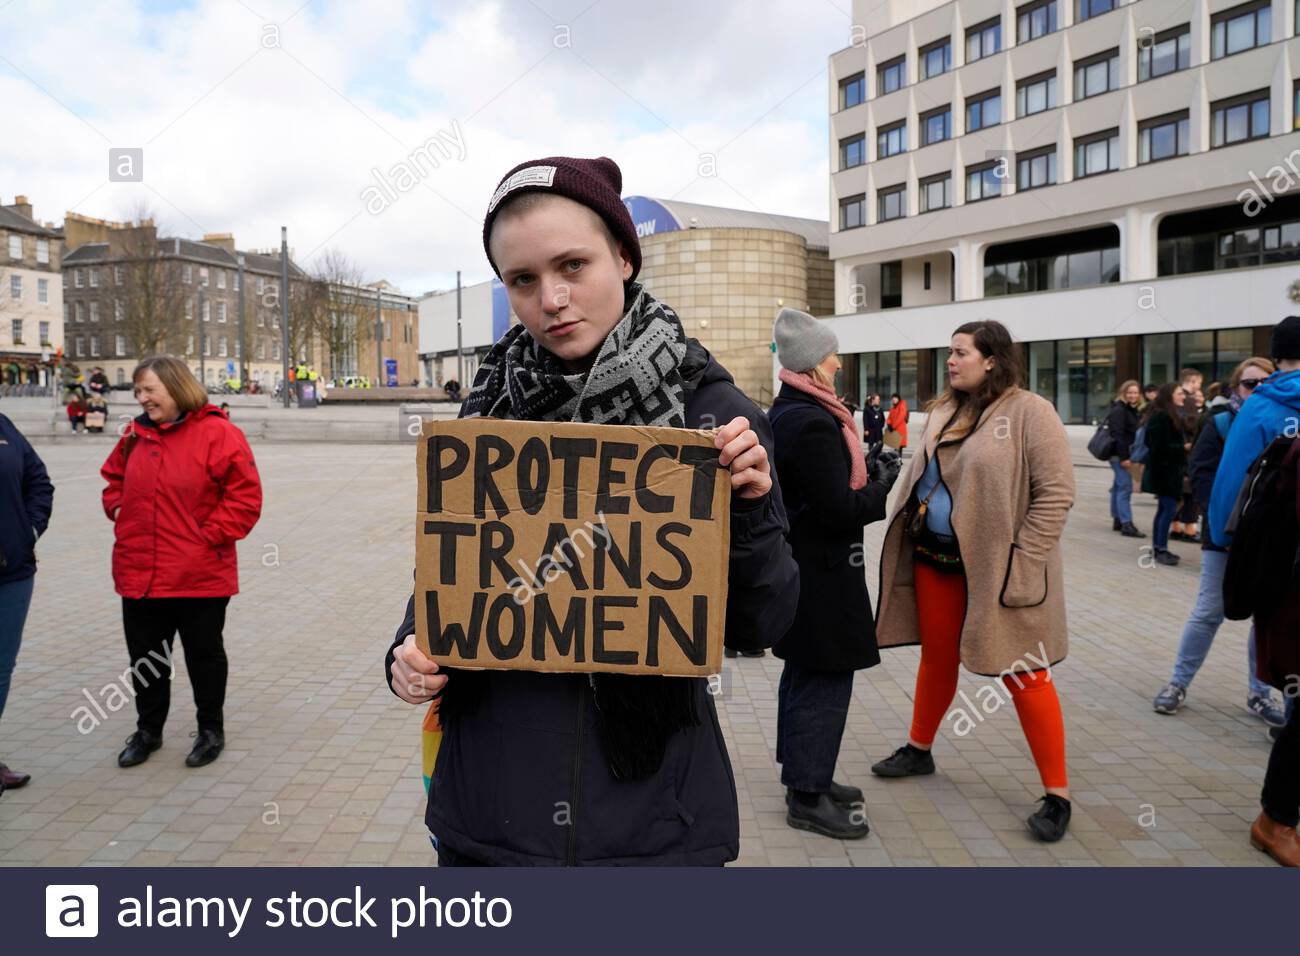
(187, 491)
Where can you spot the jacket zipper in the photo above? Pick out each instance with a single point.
(572, 857)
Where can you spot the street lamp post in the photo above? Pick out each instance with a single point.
(284, 308)
(203, 341)
(243, 344)
(460, 355)
(380, 379)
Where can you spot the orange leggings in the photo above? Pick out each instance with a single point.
(940, 609)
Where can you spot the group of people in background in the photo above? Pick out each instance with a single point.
(1194, 450)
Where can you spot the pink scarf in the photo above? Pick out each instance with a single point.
(826, 398)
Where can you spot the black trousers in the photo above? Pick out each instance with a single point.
(151, 625)
(812, 707)
(1281, 796)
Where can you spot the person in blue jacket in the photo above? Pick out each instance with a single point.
(1272, 411)
(26, 497)
(1207, 614)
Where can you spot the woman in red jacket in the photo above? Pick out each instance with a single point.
(896, 420)
(182, 489)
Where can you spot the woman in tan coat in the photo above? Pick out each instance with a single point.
(971, 564)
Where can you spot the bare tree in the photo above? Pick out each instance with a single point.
(340, 318)
(153, 296)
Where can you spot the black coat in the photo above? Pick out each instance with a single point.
(530, 753)
(834, 629)
(873, 424)
(1203, 464)
(1166, 459)
(1122, 421)
(26, 498)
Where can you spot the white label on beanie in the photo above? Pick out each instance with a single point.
(532, 176)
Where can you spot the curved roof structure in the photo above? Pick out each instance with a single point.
(667, 215)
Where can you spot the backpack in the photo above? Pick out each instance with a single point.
(1263, 554)
(1139, 452)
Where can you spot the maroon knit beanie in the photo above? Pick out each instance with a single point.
(596, 183)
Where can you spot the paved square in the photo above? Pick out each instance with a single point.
(322, 763)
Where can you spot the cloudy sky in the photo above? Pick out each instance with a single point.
(254, 114)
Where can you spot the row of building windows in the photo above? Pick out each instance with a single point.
(1232, 121)
(78, 311)
(1199, 241)
(88, 346)
(16, 248)
(1231, 31)
(16, 289)
(17, 326)
(89, 276)
(1078, 376)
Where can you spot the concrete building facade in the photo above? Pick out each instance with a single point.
(1117, 182)
(727, 272)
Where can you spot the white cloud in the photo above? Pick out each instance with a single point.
(241, 137)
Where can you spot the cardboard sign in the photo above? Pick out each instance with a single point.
(565, 547)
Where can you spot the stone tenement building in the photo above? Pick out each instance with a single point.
(200, 276)
(31, 300)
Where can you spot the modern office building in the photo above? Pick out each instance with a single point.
(1117, 182)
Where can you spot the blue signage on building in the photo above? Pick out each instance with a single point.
(500, 309)
(650, 216)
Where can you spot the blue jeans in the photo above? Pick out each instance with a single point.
(1165, 508)
(1203, 624)
(15, 599)
(812, 707)
(1121, 493)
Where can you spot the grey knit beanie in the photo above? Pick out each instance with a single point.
(802, 342)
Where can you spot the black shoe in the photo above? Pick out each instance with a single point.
(1167, 558)
(1116, 524)
(138, 748)
(1051, 820)
(845, 796)
(829, 819)
(906, 761)
(729, 652)
(1130, 531)
(208, 745)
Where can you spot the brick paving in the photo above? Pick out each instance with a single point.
(322, 765)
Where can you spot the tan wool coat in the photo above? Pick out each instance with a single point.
(1012, 484)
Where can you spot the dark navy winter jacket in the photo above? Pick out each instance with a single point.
(523, 779)
(26, 497)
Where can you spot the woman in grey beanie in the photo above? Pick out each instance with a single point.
(829, 499)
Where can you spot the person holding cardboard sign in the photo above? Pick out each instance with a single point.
(545, 769)
(830, 501)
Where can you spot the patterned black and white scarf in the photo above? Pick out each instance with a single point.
(636, 379)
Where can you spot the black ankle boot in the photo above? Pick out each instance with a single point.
(828, 818)
(1051, 820)
(208, 745)
(138, 748)
(842, 794)
(906, 761)
(1116, 524)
